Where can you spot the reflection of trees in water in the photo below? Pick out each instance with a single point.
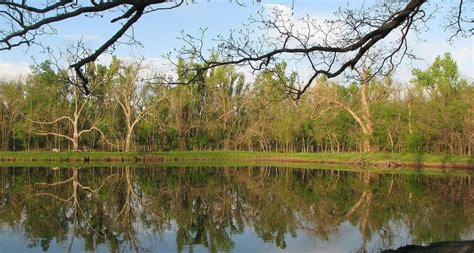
(50, 204)
(207, 206)
(79, 203)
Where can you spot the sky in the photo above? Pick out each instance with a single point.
(158, 34)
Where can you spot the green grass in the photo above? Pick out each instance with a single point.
(69, 156)
(425, 163)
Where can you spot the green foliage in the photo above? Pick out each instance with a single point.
(443, 74)
(221, 110)
(416, 142)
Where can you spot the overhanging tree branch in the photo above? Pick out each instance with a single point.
(77, 66)
(25, 21)
(322, 56)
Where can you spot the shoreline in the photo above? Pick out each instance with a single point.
(376, 160)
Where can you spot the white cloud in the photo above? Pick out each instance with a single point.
(151, 66)
(154, 66)
(13, 70)
(283, 8)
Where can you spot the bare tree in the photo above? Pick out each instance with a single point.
(72, 119)
(343, 41)
(75, 115)
(362, 113)
(133, 97)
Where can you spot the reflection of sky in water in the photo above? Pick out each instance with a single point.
(346, 239)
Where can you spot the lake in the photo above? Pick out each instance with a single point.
(229, 209)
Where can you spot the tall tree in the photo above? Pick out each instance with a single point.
(439, 91)
(355, 100)
(135, 98)
(12, 105)
(72, 116)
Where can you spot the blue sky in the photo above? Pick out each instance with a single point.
(158, 31)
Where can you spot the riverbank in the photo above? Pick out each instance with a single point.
(380, 160)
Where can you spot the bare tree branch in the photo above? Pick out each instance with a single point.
(349, 38)
(26, 21)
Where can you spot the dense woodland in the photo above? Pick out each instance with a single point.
(221, 110)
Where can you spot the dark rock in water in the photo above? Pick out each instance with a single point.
(437, 247)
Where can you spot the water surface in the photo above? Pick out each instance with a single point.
(210, 209)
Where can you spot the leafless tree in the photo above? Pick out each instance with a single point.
(329, 48)
(133, 97)
(73, 120)
(74, 116)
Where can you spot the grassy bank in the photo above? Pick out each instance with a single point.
(361, 159)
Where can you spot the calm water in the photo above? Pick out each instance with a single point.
(253, 209)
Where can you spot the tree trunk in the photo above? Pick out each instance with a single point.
(469, 146)
(75, 135)
(128, 141)
(75, 145)
(366, 115)
(366, 144)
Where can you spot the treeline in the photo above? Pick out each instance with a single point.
(221, 110)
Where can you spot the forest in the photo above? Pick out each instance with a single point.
(224, 109)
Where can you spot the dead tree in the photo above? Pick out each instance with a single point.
(72, 119)
(133, 97)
